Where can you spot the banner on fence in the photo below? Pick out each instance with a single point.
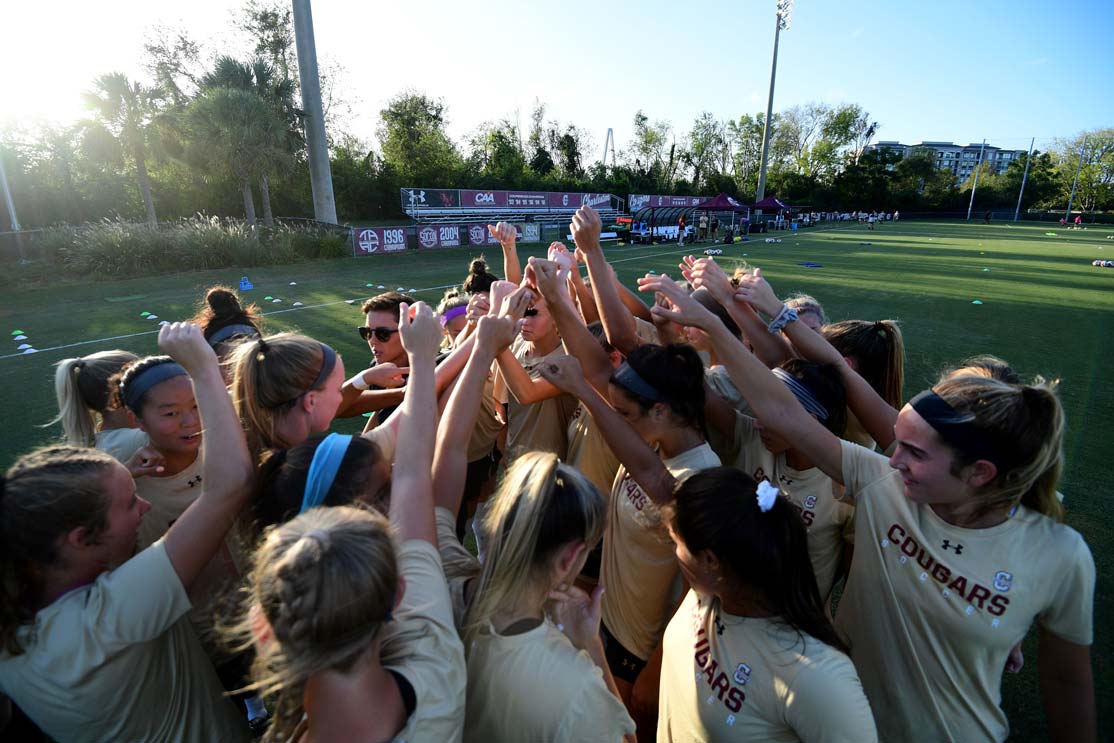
(418, 199)
(372, 240)
(430, 198)
(645, 201)
(439, 236)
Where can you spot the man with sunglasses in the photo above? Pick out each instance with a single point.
(381, 386)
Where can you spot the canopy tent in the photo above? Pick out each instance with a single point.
(771, 203)
(650, 217)
(721, 203)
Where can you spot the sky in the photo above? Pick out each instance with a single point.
(946, 70)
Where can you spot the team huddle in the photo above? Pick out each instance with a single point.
(572, 515)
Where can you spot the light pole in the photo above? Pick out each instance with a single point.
(784, 8)
(1024, 178)
(1079, 167)
(317, 146)
(975, 185)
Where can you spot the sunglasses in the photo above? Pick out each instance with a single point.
(530, 312)
(381, 334)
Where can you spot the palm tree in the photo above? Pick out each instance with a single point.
(126, 109)
(259, 78)
(234, 132)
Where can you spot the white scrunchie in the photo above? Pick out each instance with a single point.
(767, 495)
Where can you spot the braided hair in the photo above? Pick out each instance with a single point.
(325, 583)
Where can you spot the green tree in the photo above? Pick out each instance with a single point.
(653, 152)
(277, 93)
(126, 109)
(706, 150)
(413, 141)
(235, 133)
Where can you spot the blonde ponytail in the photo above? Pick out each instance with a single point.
(83, 391)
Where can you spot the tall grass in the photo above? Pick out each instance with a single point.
(126, 250)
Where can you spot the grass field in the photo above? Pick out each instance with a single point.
(1044, 308)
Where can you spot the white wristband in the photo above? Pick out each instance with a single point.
(358, 381)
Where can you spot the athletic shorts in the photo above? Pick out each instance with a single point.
(623, 663)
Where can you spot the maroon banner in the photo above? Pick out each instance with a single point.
(528, 199)
(471, 199)
(371, 240)
(430, 198)
(439, 236)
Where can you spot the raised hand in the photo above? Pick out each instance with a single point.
(184, 342)
(515, 304)
(706, 273)
(496, 333)
(478, 306)
(560, 255)
(585, 228)
(564, 373)
(499, 291)
(549, 277)
(685, 309)
(505, 233)
(419, 330)
(577, 613)
(757, 291)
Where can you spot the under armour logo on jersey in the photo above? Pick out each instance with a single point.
(194, 481)
(949, 546)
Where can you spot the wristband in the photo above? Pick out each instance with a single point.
(786, 316)
(358, 381)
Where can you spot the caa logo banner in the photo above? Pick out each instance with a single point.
(485, 198)
(428, 237)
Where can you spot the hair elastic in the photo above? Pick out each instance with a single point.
(141, 383)
(957, 429)
(229, 331)
(323, 469)
(766, 494)
(627, 378)
(452, 314)
(802, 393)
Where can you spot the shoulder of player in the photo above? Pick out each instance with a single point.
(1046, 533)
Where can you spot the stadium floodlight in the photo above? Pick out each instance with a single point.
(784, 11)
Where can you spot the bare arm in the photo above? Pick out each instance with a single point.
(586, 303)
(579, 342)
(227, 470)
(643, 464)
(617, 320)
(771, 348)
(772, 403)
(411, 485)
(525, 388)
(507, 235)
(876, 415)
(1067, 689)
(450, 461)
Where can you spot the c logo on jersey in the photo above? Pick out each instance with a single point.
(810, 501)
(1003, 581)
(742, 674)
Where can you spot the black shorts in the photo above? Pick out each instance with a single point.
(623, 663)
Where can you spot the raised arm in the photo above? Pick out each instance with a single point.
(772, 403)
(617, 320)
(227, 470)
(507, 234)
(450, 463)
(578, 341)
(876, 415)
(411, 487)
(771, 348)
(643, 464)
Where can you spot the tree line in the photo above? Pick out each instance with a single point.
(219, 135)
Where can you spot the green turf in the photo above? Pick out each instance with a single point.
(1045, 309)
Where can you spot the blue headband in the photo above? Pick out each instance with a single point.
(803, 394)
(228, 331)
(323, 469)
(627, 378)
(141, 383)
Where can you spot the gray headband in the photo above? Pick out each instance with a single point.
(229, 331)
(141, 383)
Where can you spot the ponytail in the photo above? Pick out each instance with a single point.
(717, 509)
(84, 391)
(878, 350)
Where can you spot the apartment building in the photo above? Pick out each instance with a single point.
(959, 159)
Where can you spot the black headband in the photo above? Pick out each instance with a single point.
(958, 429)
(229, 331)
(328, 363)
